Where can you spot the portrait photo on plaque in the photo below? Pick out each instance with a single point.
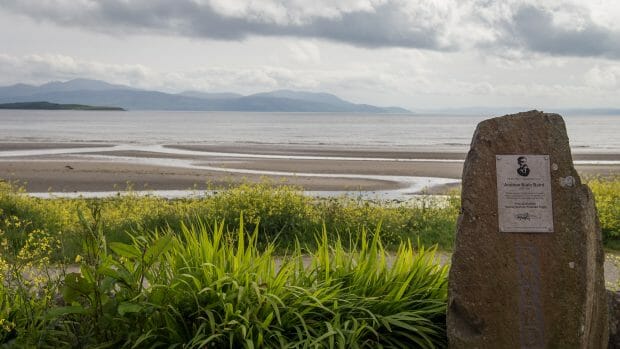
(524, 193)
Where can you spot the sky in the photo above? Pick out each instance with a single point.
(417, 54)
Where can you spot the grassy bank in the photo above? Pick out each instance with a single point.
(253, 266)
(283, 214)
(160, 273)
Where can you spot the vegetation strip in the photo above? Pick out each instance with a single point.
(186, 272)
(196, 289)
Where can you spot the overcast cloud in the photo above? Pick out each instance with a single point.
(404, 52)
(554, 27)
(369, 23)
(535, 29)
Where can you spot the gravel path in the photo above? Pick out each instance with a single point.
(612, 267)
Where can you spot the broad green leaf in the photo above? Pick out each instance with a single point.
(124, 250)
(60, 311)
(160, 246)
(76, 286)
(126, 308)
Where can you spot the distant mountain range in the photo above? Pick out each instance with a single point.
(100, 93)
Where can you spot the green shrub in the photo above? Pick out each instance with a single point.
(283, 214)
(607, 195)
(193, 288)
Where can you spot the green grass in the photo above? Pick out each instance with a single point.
(193, 288)
(283, 214)
(185, 273)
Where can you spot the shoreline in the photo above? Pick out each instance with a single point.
(579, 154)
(96, 167)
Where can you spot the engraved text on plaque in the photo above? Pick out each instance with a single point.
(524, 194)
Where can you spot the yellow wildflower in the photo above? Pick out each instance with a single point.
(7, 326)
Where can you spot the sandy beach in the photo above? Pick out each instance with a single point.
(78, 167)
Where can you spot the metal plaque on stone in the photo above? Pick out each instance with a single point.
(524, 194)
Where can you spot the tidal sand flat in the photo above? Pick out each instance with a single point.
(94, 167)
(64, 168)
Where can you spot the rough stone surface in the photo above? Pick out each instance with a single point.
(526, 290)
(614, 319)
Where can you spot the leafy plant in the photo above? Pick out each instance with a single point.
(203, 286)
(104, 301)
(216, 294)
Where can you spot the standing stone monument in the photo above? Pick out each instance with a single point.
(527, 270)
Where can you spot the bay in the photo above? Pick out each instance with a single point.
(588, 133)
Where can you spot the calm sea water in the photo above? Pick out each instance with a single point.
(415, 132)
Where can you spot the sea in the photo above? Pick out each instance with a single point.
(150, 130)
(416, 132)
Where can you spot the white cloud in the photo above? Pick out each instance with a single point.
(45, 67)
(305, 52)
(604, 77)
(411, 80)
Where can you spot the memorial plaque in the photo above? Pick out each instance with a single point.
(515, 285)
(524, 194)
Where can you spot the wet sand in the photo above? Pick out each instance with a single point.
(325, 150)
(183, 167)
(72, 175)
(319, 150)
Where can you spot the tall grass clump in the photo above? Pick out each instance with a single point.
(210, 293)
(204, 287)
(429, 220)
